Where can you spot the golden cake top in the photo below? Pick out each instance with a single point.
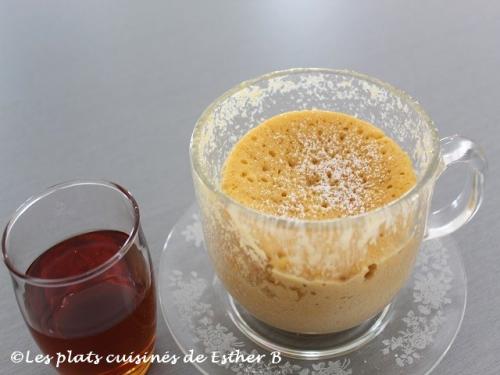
(316, 165)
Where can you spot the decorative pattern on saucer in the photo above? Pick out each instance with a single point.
(428, 302)
(431, 284)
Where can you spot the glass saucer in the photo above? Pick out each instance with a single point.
(410, 337)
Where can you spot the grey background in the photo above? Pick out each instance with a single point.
(111, 89)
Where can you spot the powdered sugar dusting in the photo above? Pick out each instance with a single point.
(340, 180)
(317, 165)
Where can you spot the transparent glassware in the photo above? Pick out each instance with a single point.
(424, 318)
(107, 308)
(329, 276)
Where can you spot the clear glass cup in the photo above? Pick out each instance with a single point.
(93, 291)
(315, 277)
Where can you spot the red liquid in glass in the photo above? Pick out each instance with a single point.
(112, 313)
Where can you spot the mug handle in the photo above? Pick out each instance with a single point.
(457, 149)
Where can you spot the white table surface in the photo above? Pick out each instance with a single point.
(112, 89)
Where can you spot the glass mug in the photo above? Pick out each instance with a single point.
(93, 290)
(324, 276)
